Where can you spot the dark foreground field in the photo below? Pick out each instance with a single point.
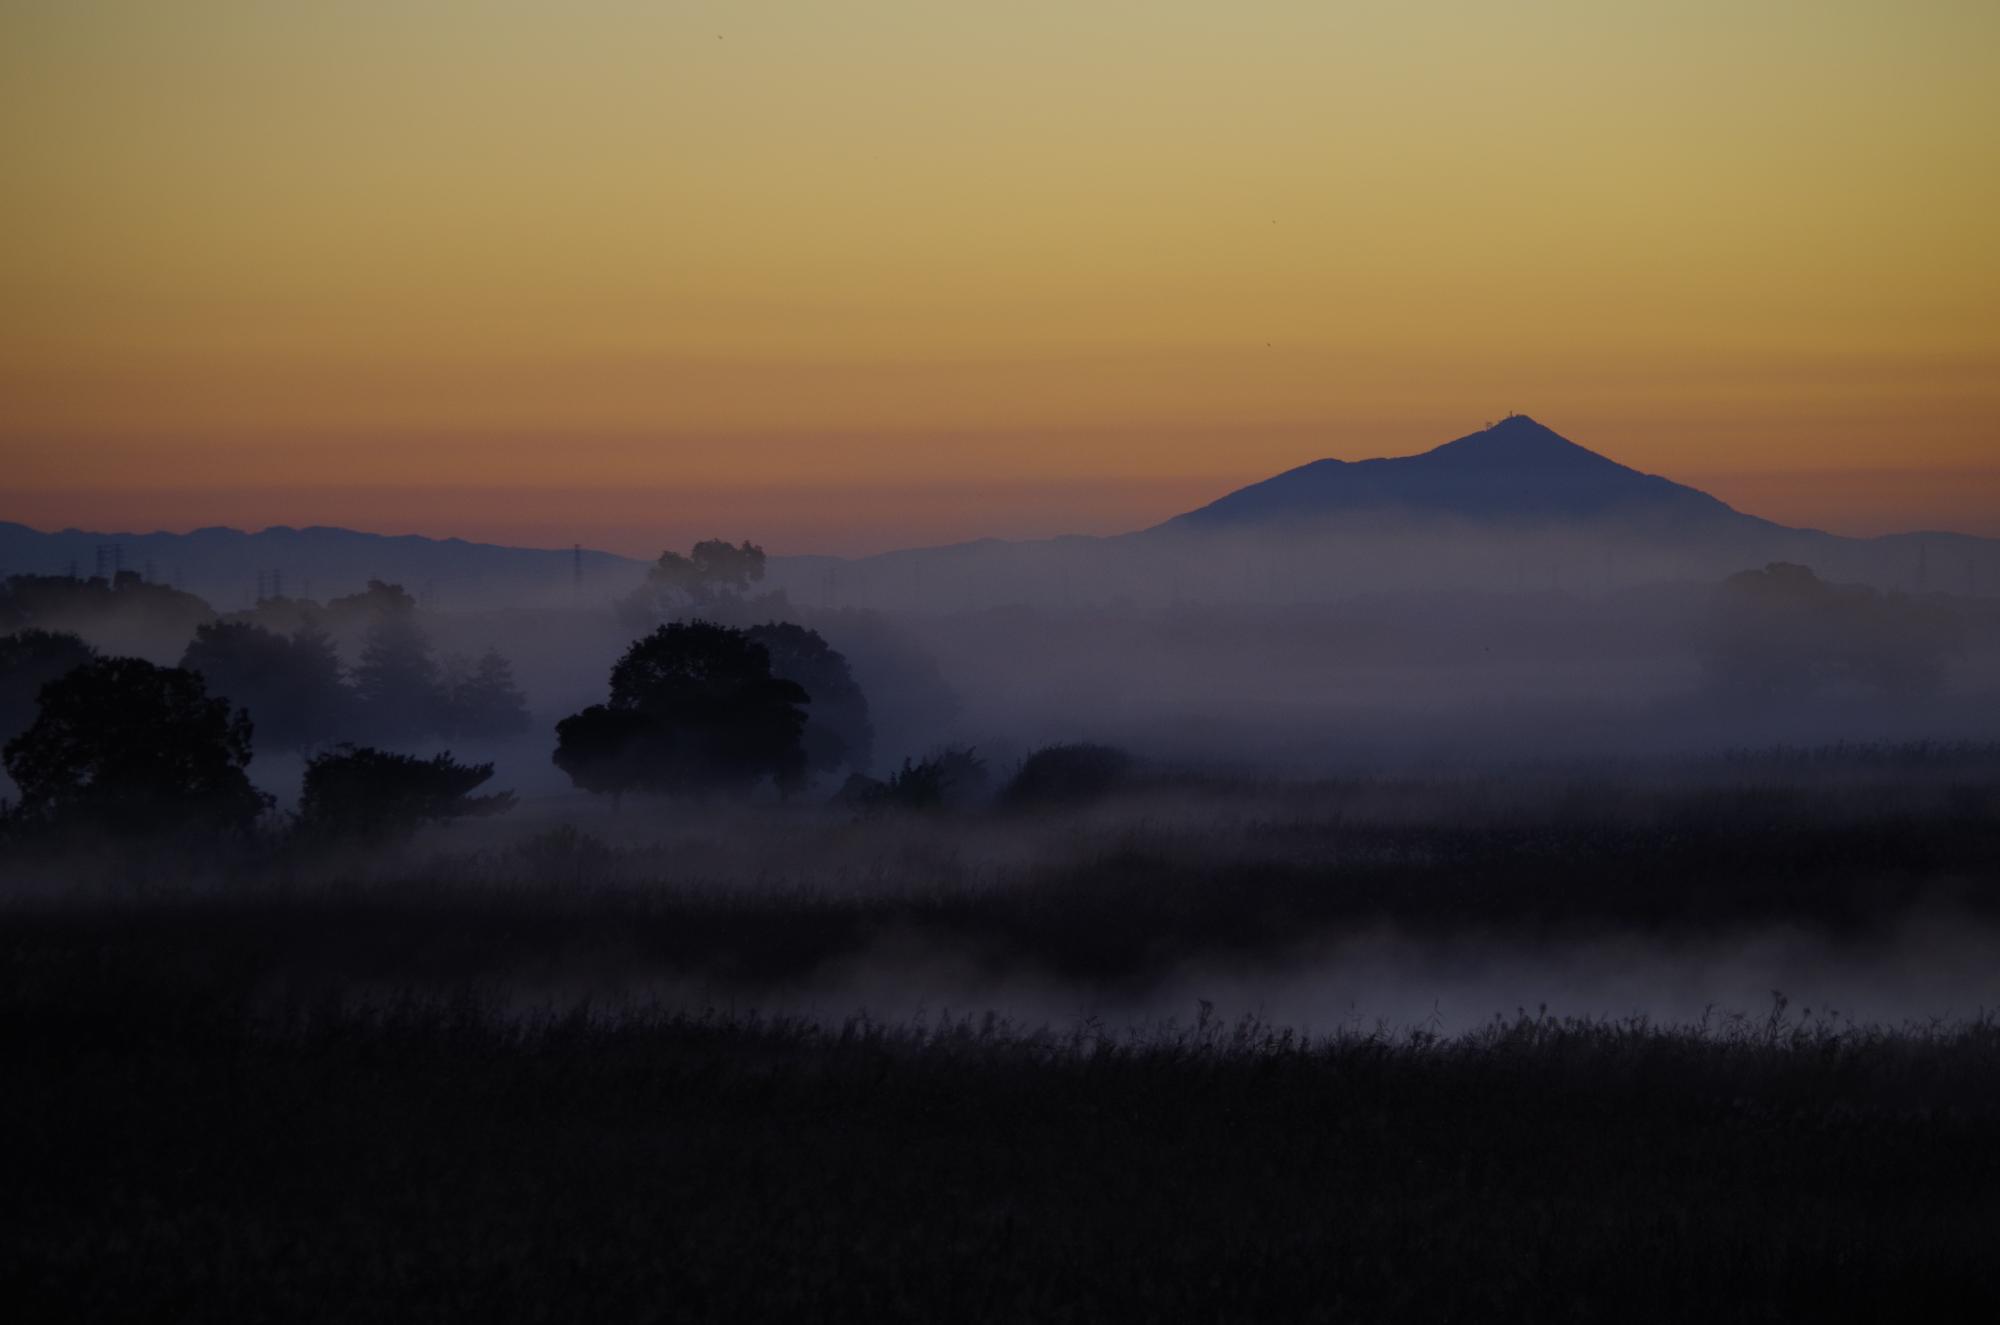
(516, 1077)
(425, 1163)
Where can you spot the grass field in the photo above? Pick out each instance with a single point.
(520, 1076)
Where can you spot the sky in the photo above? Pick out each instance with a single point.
(844, 277)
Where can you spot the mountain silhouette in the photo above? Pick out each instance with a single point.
(1515, 503)
(1514, 471)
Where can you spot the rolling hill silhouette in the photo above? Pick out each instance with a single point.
(229, 567)
(1514, 471)
(1515, 503)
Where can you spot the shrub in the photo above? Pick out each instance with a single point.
(949, 778)
(373, 794)
(1066, 775)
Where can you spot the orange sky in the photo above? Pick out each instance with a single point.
(843, 277)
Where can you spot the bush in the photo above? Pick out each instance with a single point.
(564, 854)
(1066, 775)
(951, 778)
(372, 794)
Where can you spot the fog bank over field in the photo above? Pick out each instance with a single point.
(1934, 967)
(1509, 595)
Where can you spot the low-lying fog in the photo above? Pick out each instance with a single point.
(1935, 968)
(946, 915)
(1369, 666)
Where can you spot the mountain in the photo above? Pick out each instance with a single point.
(1512, 507)
(1515, 471)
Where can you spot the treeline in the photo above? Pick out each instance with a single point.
(130, 748)
(125, 749)
(278, 661)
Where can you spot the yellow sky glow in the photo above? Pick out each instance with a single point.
(856, 275)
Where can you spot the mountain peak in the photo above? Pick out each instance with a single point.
(1515, 470)
(1517, 440)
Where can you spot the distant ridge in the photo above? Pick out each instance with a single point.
(1511, 505)
(1517, 470)
(229, 567)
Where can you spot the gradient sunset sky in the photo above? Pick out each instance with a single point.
(856, 275)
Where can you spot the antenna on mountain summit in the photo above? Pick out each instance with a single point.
(576, 569)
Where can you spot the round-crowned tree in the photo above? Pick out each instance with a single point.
(606, 751)
(126, 746)
(30, 660)
(694, 708)
(838, 731)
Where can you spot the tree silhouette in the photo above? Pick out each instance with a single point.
(837, 728)
(124, 612)
(711, 567)
(606, 751)
(30, 660)
(693, 708)
(714, 572)
(126, 746)
(291, 686)
(373, 603)
(370, 794)
(1783, 631)
(482, 700)
(401, 694)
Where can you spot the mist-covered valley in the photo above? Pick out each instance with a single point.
(1595, 862)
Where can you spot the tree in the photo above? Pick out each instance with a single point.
(693, 708)
(291, 686)
(837, 729)
(711, 568)
(1783, 631)
(125, 612)
(286, 616)
(401, 695)
(30, 660)
(714, 571)
(606, 751)
(373, 603)
(482, 700)
(370, 794)
(126, 746)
